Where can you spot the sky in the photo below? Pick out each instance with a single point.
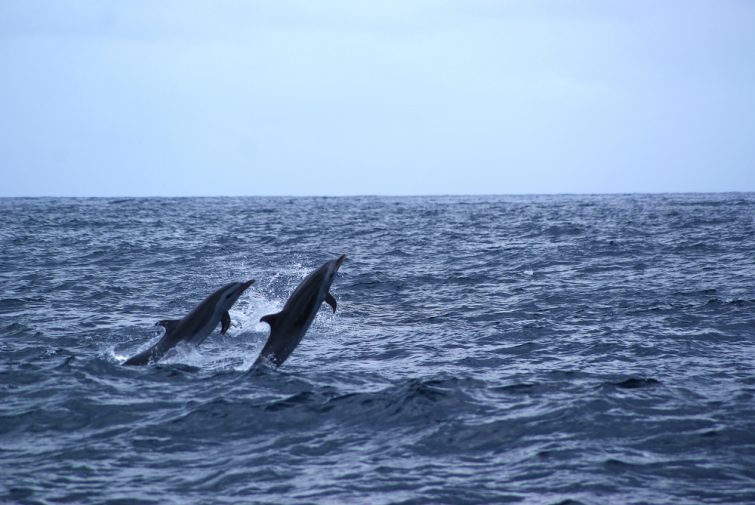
(388, 97)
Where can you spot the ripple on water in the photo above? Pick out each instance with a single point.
(565, 349)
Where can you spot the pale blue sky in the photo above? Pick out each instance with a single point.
(187, 97)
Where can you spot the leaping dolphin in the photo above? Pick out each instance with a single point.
(288, 326)
(196, 325)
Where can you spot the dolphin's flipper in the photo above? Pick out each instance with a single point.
(330, 300)
(225, 322)
(168, 324)
(270, 319)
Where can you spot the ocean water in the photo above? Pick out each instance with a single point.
(534, 349)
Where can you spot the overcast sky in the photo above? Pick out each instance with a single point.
(221, 97)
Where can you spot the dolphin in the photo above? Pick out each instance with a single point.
(288, 326)
(196, 325)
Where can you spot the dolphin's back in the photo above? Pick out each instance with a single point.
(288, 326)
(155, 352)
(285, 334)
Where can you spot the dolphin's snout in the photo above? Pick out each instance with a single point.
(245, 285)
(340, 260)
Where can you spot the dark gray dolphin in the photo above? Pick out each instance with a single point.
(196, 325)
(288, 326)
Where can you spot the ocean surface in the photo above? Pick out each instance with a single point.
(533, 349)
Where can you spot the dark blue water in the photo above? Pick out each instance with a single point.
(596, 349)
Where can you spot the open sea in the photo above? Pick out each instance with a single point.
(503, 349)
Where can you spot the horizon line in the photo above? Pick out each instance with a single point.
(376, 195)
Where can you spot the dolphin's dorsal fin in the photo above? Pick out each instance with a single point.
(225, 322)
(270, 319)
(330, 300)
(168, 324)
